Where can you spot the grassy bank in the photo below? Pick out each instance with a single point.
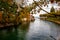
(53, 17)
(53, 20)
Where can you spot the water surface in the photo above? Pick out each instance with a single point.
(37, 30)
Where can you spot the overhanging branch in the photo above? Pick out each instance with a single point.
(40, 7)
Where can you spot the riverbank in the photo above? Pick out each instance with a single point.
(52, 17)
(22, 21)
(55, 21)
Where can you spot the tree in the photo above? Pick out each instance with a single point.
(40, 7)
(52, 9)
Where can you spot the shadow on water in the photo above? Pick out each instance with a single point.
(8, 34)
(14, 33)
(4, 35)
(23, 29)
(36, 30)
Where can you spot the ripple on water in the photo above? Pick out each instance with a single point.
(42, 30)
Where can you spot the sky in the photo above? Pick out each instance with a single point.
(41, 12)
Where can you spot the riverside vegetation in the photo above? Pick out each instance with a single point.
(52, 16)
(10, 14)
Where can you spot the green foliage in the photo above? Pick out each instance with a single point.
(52, 16)
(52, 9)
(4, 5)
(7, 11)
(13, 8)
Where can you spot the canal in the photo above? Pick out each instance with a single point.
(36, 30)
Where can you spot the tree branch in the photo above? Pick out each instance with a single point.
(40, 7)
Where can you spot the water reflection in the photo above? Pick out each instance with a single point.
(43, 30)
(36, 30)
(8, 35)
(23, 29)
(14, 34)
